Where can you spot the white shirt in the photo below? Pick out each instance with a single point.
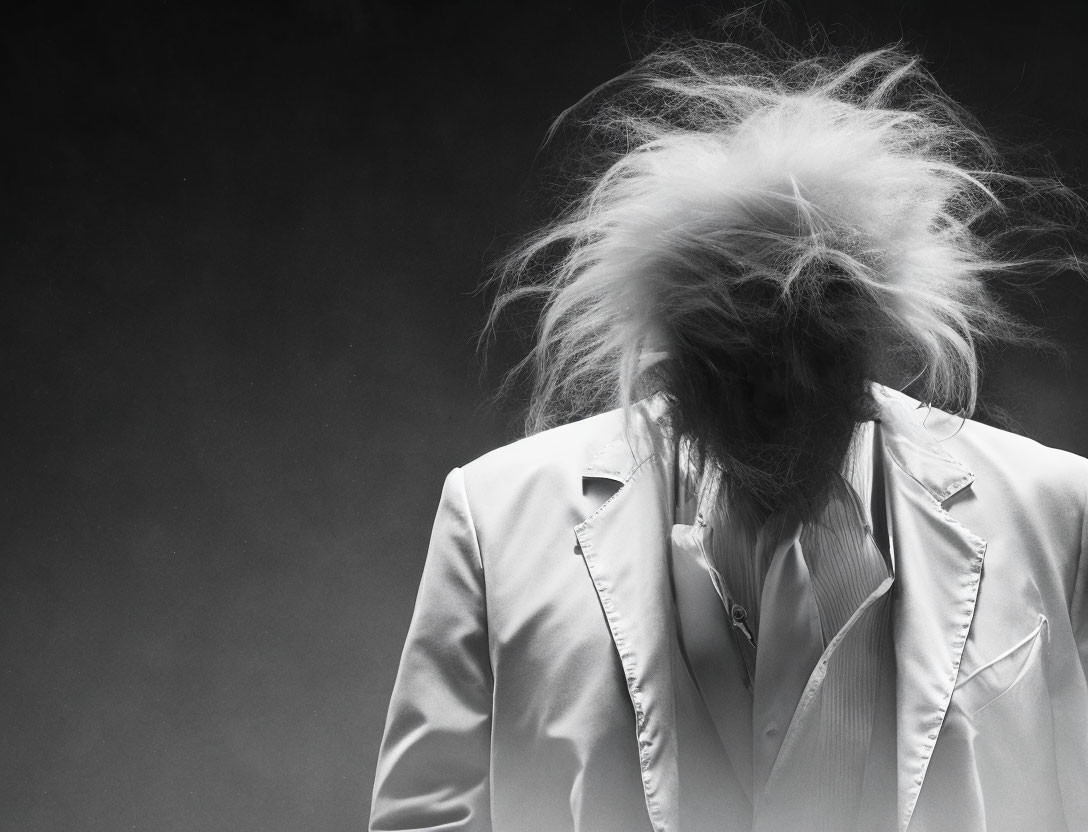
(806, 727)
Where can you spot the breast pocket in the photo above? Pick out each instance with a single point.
(985, 685)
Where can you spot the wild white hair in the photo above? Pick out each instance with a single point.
(739, 193)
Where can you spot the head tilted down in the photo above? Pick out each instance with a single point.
(764, 239)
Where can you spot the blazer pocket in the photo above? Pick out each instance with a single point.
(991, 680)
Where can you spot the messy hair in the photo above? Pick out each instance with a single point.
(741, 203)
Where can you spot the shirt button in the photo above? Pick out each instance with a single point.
(771, 730)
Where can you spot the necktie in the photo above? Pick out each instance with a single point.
(790, 645)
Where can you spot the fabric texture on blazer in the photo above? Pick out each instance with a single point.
(541, 687)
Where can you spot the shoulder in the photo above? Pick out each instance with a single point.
(1018, 461)
(1020, 464)
(624, 437)
(1019, 484)
(1026, 499)
(544, 469)
(567, 446)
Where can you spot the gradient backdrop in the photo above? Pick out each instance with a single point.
(238, 253)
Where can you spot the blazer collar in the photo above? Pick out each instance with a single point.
(938, 564)
(640, 439)
(907, 439)
(912, 433)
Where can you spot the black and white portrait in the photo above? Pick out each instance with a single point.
(639, 416)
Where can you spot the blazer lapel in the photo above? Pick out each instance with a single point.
(938, 564)
(624, 544)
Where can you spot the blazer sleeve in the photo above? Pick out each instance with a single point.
(434, 764)
(1079, 607)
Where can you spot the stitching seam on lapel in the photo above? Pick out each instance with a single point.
(978, 546)
(604, 593)
(967, 478)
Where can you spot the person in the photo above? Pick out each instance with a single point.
(734, 578)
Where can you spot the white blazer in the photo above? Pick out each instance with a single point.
(541, 688)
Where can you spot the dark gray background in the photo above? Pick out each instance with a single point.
(239, 245)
